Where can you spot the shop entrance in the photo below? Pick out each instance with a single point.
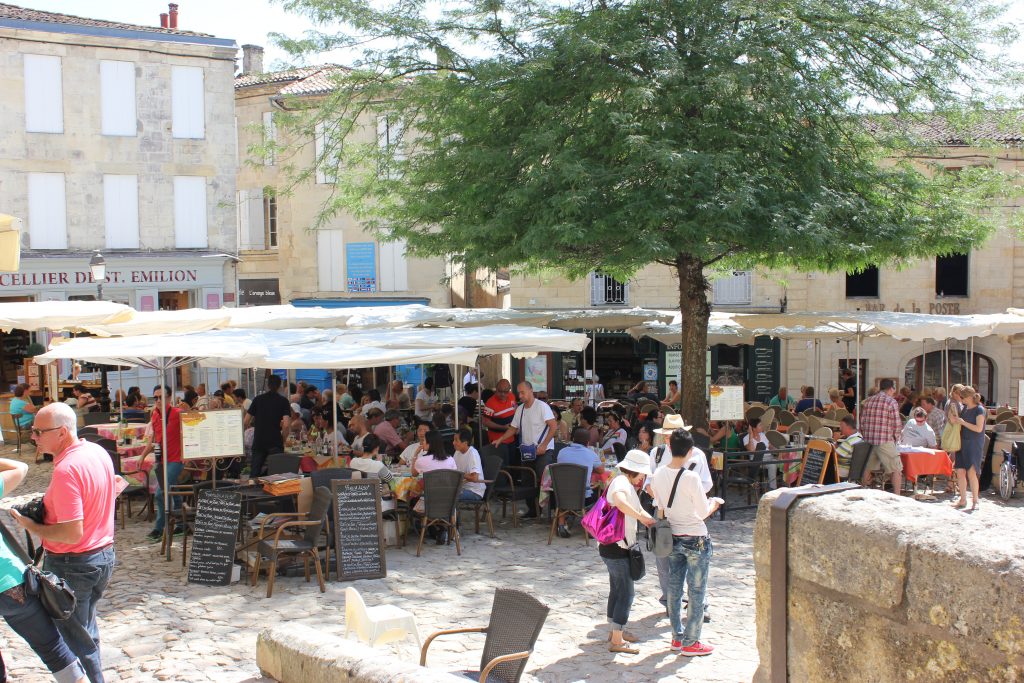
(620, 361)
(13, 349)
(173, 301)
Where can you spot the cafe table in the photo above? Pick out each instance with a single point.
(922, 462)
(405, 486)
(109, 430)
(134, 466)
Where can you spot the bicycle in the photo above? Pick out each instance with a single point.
(1008, 470)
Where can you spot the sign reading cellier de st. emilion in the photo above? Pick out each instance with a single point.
(139, 276)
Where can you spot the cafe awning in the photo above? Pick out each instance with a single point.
(491, 339)
(56, 316)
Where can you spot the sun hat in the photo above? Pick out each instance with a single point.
(296, 408)
(636, 461)
(671, 423)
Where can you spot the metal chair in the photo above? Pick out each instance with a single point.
(515, 624)
(858, 460)
(134, 491)
(307, 545)
(505, 488)
(13, 431)
(440, 493)
(491, 464)
(569, 486)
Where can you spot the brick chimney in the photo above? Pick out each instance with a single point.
(252, 59)
(163, 20)
(172, 14)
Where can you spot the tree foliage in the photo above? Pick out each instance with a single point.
(700, 134)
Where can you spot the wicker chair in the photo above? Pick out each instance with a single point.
(752, 412)
(492, 470)
(776, 439)
(799, 426)
(12, 431)
(858, 460)
(96, 418)
(440, 494)
(515, 624)
(822, 433)
(569, 486)
(785, 418)
(133, 492)
(768, 418)
(507, 491)
(283, 463)
(306, 545)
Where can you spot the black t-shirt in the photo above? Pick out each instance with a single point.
(467, 407)
(851, 386)
(267, 410)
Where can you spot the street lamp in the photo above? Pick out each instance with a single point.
(98, 266)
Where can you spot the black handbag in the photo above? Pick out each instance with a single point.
(637, 566)
(54, 592)
(33, 510)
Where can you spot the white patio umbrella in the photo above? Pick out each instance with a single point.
(517, 340)
(58, 316)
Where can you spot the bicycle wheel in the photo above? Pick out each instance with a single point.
(1006, 481)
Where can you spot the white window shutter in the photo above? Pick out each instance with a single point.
(330, 260)
(382, 132)
(269, 135)
(188, 109)
(320, 144)
(257, 232)
(396, 138)
(47, 211)
(394, 269)
(117, 98)
(121, 211)
(190, 212)
(242, 218)
(44, 99)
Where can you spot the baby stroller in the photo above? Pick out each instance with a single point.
(1008, 470)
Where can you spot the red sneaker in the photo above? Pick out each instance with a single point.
(676, 645)
(698, 649)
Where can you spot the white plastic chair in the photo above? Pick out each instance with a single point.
(380, 624)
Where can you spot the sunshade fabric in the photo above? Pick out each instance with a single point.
(493, 339)
(57, 316)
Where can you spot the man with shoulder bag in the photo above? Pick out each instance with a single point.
(535, 424)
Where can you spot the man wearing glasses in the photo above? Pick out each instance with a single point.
(78, 534)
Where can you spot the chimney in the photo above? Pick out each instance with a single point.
(252, 59)
(172, 13)
(163, 20)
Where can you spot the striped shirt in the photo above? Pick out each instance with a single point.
(880, 419)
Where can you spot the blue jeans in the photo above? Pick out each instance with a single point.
(688, 563)
(88, 576)
(29, 619)
(620, 591)
(469, 497)
(174, 470)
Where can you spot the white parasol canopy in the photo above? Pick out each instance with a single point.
(152, 351)
(517, 340)
(719, 332)
(898, 325)
(338, 355)
(70, 316)
(607, 319)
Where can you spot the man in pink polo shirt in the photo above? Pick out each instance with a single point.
(78, 535)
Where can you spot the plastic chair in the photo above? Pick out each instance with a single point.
(776, 439)
(569, 485)
(822, 433)
(379, 624)
(440, 494)
(785, 418)
(515, 624)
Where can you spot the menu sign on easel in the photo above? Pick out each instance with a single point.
(819, 464)
(218, 515)
(726, 402)
(212, 434)
(358, 529)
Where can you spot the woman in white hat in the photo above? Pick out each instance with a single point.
(622, 493)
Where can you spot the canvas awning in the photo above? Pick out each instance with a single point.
(57, 316)
(719, 332)
(491, 339)
(898, 325)
(606, 319)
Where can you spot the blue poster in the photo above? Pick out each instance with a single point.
(361, 266)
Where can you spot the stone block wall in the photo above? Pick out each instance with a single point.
(883, 588)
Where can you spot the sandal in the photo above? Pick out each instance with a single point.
(626, 636)
(623, 648)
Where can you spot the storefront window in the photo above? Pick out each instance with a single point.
(930, 367)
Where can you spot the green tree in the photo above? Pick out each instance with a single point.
(699, 134)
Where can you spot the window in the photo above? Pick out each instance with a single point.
(117, 98)
(269, 137)
(391, 141)
(394, 269)
(47, 211)
(732, 290)
(951, 275)
(121, 211)
(269, 218)
(44, 101)
(328, 153)
(863, 283)
(251, 227)
(606, 290)
(190, 212)
(330, 246)
(188, 116)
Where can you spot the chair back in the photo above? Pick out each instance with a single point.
(569, 482)
(499, 451)
(324, 477)
(318, 510)
(858, 460)
(356, 616)
(785, 417)
(822, 433)
(620, 450)
(109, 445)
(813, 423)
(491, 464)
(767, 418)
(440, 492)
(776, 439)
(91, 436)
(798, 426)
(753, 411)
(96, 418)
(516, 620)
(82, 431)
(115, 460)
(840, 413)
(283, 463)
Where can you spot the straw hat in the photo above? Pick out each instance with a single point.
(672, 423)
(636, 461)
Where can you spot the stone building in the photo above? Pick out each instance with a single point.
(118, 138)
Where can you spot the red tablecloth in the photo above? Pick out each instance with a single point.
(108, 430)
(924, 463)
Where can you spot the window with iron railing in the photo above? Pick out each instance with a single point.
(732, 289)
(607, 291)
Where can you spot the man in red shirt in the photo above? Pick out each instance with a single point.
(173, 451)
(881, 425)
(78, 533)
(499, 410)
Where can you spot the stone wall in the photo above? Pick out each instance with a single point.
(883, 588)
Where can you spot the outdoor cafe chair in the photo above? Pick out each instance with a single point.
(776, 439)
(440, 494)
(283, 463)
(378, 624)
(186, 514)
(96, 418)
(515, 624)
(620, 451)
(491, 463)
(858, 460)
(133, 492)
(307, 545)
(768, 418)
(12, 431)
(813, 423)
(822, 433)
(569, 489)
(785, 418)
(799, 426)
(752, 412)
(507, 491)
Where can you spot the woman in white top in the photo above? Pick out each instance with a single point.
(369, 462)
(622, 494)
(615, 434)
(436, 458)
(691, 545)
(426, 400)
(419, 446)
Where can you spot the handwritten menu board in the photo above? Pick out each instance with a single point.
(819, 463)
(358, 529)
(212, 434)
(218, 515)
(765, 375)
(726, 402)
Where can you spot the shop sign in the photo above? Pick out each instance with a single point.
(934, 307)
(259, 292)
(84, 277)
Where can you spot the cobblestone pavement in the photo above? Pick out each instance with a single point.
(154, 626)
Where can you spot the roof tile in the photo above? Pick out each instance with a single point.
(26, 14)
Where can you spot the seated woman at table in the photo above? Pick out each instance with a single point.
(836, 398)
(917, 431)
(616, 434)
(418, 446)
(435, 457)
(673, 399)
(588, 420)
(370, 462)
(323, 419)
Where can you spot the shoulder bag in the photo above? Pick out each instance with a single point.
(637, 566)
(528, 452)
(54, 592)
(604, 521)
(659, 536)
(951, 438)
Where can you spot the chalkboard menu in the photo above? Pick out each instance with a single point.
(358, 529)
(218, 514)
(819, 463)
(764, 370)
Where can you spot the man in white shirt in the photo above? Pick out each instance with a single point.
(467, 461)
(375, 402)
(470, 377)
(535, 423)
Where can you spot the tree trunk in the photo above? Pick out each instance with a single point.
(696, 311)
